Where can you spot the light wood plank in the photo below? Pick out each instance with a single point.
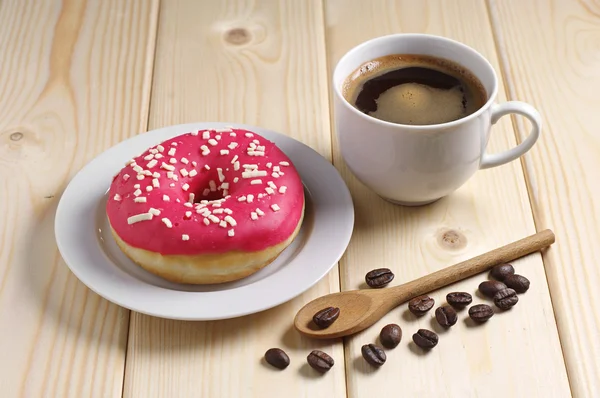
(255, 62)
(554, 62)
(516, 353)
(71, 85)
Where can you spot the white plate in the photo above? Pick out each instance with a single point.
(92, 255)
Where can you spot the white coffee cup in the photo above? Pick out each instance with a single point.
(419, 164)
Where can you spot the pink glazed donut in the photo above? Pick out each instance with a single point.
(206, 207)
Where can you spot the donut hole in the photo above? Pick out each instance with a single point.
(213, 195)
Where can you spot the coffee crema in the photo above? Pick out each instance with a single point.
(414, 89)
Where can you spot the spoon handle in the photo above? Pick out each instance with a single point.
(471, 267)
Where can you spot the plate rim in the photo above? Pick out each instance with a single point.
(165, 132)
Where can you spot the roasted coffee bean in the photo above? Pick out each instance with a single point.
(373, 355)
(326, 317)
(490, 288)
(390, 335)
(425, 338)
(379, 277)
(420, 305)
(519, 283)
(459, 299)
(481, 312)
(277, 357)
(446, 316)
(320, 361)
(506, 298)
(500, 272)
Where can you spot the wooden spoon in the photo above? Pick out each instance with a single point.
(359, 309)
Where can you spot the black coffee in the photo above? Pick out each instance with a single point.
(414, 89)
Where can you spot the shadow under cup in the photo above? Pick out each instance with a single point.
(412, 164)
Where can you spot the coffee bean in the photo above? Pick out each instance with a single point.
(277, 357)
(481, 312)
(446, 316)
(519, 283)
(390, 335)
(326, 317)
(490, 288)
(374, 355)
(420, 305)
(501, 271)
(379, 277)
(425, 338)
(320, 361)
(459, 299)
(506, 299)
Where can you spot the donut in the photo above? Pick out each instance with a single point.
(206, 207)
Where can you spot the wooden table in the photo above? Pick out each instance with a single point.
(77, 77)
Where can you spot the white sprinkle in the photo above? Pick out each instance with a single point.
(242, 198)
(193, 173)
(236, 166)
(185, 237)
(152, 163)
(260, 212)
(218, 137)
(167, 166)
(236, 179)
(184, 172)
(175, 177)
(206, 192)
(141, 199)
(276, 168)
(253, 215)
(139, 217)
(257, 153)
(212, 185)
(249, 135)
(224, 152)
(232, 145)
(275, 207)
(147, 173)
(260, 148)
(256, 142)
(140, 177)
(225, 185)
(207, 167)
(171, 151)
(149, 157)
(153, 151)
(212, 142)
(232, 134)
(167, 222)
(261, 195)
(160, 148)
(172, 160)
(250, 166)
(269, 165)
(275, 175)
(218, 211)
(174, 143)
(231, 232)
(149, 188)
(194, 163)
(154, 211)
(272, 184)
(230, 220)
(158, 156)
(184, 161)
(235, 158)
(155, 183)
(255, 182)
(228, 211)
(206, 135)
(254, 173)
(252, 145)
(206, 221)
(250, 198)
(185, 187)
(220, 173)
(192, 197)
(217, 204)
(166, 198)
(172, 184)
(126, 177)
(284, 163)
(282, 189)
(269, 190)
(117, 197)
(170, 174)
(213, 218)
(156, 174)
(136, 186)
(137, 192)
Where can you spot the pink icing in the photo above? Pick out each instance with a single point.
(281, 207)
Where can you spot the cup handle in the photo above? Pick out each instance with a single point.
(520, 108)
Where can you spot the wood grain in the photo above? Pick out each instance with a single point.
(492, 209)
(261, 63)
(71, 85)
(554, 62)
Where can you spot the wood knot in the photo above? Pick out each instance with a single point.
(451, 239)
(16, 136)
(237, 36)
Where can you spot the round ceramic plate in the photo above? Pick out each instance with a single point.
(87, 246)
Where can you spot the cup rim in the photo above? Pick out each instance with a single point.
(425, 127)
